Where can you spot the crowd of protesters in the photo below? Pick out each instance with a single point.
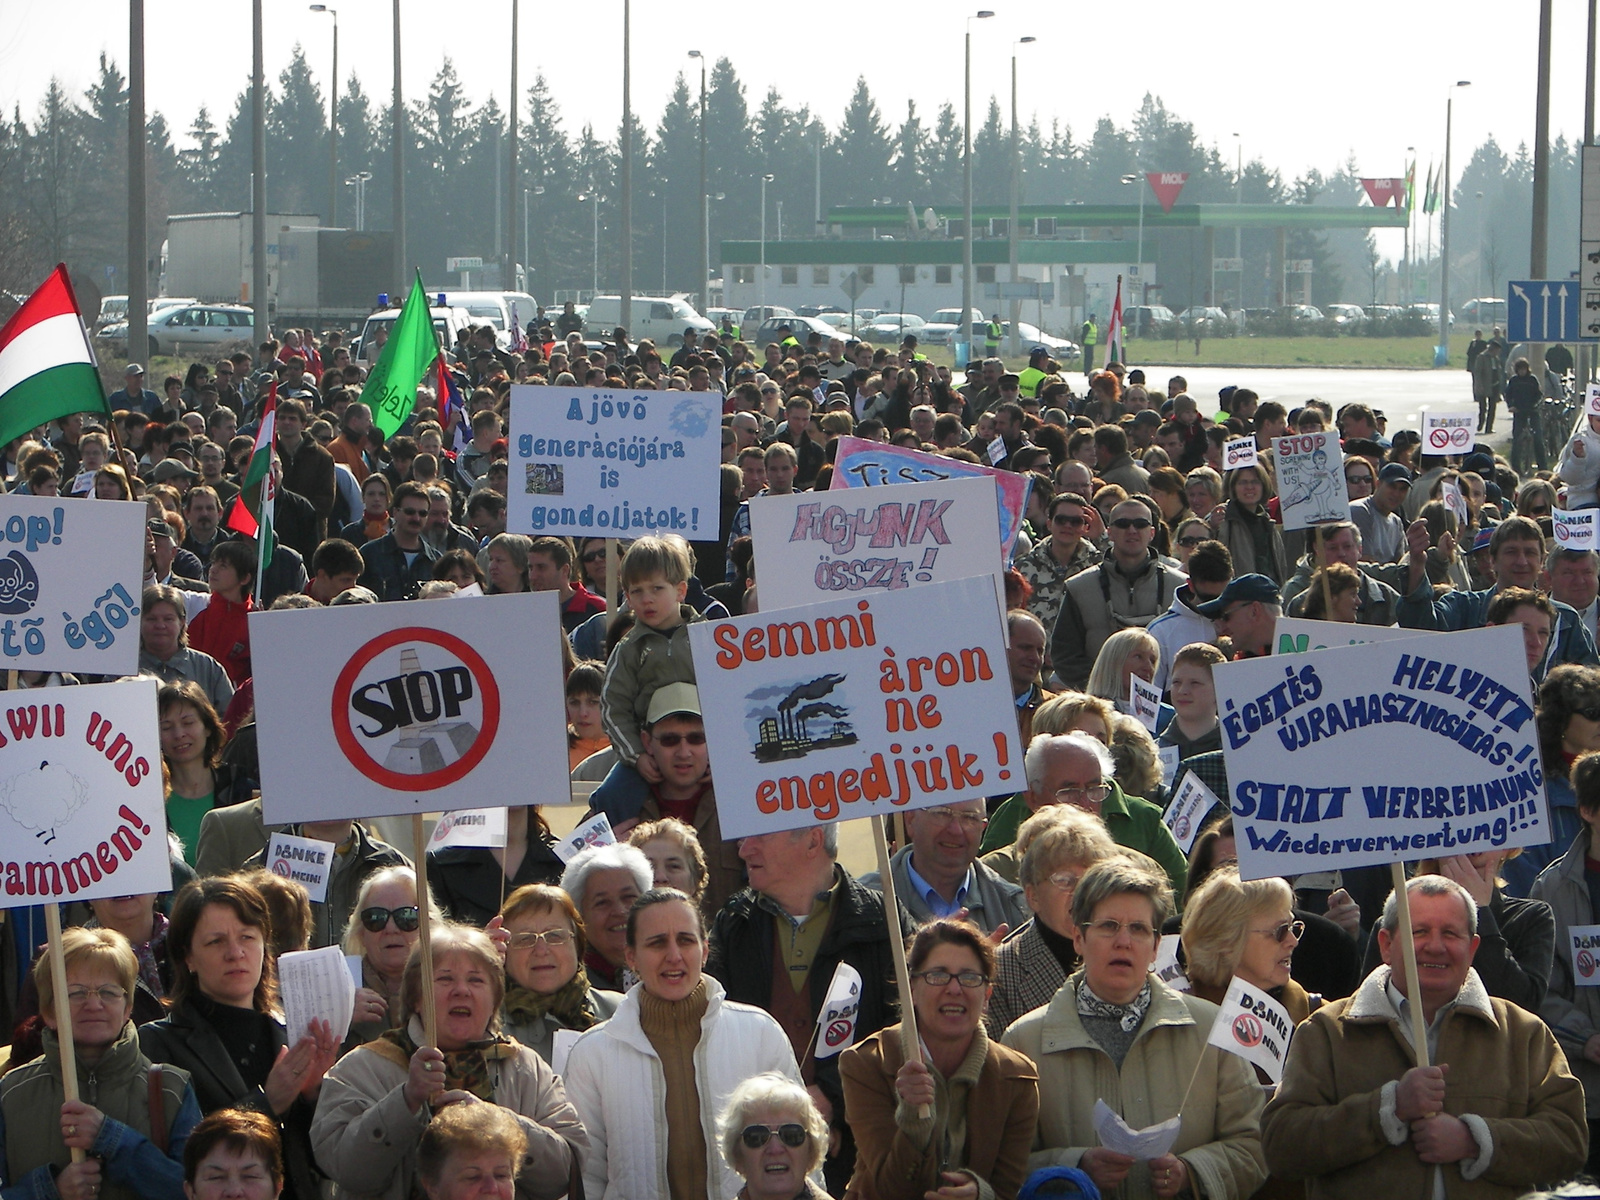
(675, 977)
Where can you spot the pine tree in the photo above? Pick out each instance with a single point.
(297, 141)
(908, 178)
(861, 167)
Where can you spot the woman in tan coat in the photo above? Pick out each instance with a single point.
(982, 1099)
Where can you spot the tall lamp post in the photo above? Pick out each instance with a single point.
(1016, 191)
(626, 281)
(527, 241)
(398, 157)
(1441, 357)
(594, 196)
(1238, 202)
(703, 291)
(514, 180)
(359, 182)
(1139, 179)
(333, 121)
(761, 282)
(966, 187)
(705, 236)
(262, 328)
(138, 251)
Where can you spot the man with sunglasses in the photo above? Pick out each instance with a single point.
(1128, 589)
(1053, 561)
(1246, 613)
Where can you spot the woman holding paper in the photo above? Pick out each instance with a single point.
(1114, 1032)
(961, 1117)
(546, 986)
(111, 1120)
(224, 1028)
(379, 1099)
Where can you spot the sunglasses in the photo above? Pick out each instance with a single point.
(1063, 519)
(1130, 523)
(755, 1137)
(670, 740)
(593, 556)
(1359, 479)
(1588, 714)
(1189, 543)
(1281, 933)
(375, 920)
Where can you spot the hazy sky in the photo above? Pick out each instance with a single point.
(1304, 83)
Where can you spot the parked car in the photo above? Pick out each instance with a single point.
(1345, 315)
(205, 328)
(817, 310)
(1032, 335)
(1428, 312)
(715, 315)
(1202, 318)
(1148, 320)
(1302, 314)
(1384, 312)
(757, 313)
(1487, 311)
(801, 327)
(662, 319)
(887, 327)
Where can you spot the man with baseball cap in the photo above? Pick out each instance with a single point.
(1246, 613)
(133, 395)
(1378, 516)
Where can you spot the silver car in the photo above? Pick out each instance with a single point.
(201, 327)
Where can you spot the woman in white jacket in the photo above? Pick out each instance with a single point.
(650, 1083)
(1579, 468)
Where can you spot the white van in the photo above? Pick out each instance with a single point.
(662, 319)
(496, 308)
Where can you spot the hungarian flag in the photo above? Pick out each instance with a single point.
(47, 368)
(1411, 184)
(452, 412)
(251, 514)
(391, 389)
(1430, 202)
(1114, 328)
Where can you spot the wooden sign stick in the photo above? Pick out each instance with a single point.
(902, 974)
(58, 978)
(430, 1023)
(1408, 953)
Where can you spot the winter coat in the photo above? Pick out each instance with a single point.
(1565, 825)
(1176, 628)
(1102, 600)
(539, 1034)
(1027, 975)
(643, 661)
(1581, 475)
(1571, 642)
(990, 900)
(1572, 1012)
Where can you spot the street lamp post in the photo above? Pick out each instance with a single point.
(966, 186)
(594, 196)
(514, 184)
(398, 159)
(138, 251)
(527, 241)
(703, 291)
(333, 121)
(1238, 202)
(1478, 196)
(1408, 281)
(626, 282)
(761, 282)
(1016, 196)
(359, 182)
(1441, 357)
(262, 328)
(705, 239)
(1140, 181)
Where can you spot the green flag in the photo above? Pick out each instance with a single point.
(391, 390)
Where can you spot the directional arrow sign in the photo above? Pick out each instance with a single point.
(1543, 310)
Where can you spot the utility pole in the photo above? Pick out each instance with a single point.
(138, 254)
(258, 183)
(1016, 189)
(1539, 246)
(398, 137)
(1441, 357)
(333, 122)
(966, 325)
(510, 275)
(702, 292)
(627, 170)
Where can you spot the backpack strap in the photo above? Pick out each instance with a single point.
(158, 1110)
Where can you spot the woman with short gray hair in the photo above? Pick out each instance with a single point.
(603, 882)
(772, 1134)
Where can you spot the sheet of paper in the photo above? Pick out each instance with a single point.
(1143, 1144)
(353, 961)
(596, 831)
(472, 589)
(1187, 811)
(565, 1039)
(1170, 756)
(997, 451)
(316, 986)
(469, 827)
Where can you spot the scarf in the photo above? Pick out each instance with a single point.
(464, 1070)
(569, 1003)
(1127, 1016)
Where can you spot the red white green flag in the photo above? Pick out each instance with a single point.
(251, 514)
(47, 368)
(1114, 330)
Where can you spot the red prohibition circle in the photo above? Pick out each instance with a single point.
(838, 1031)
(1460, 437)
(1439, 438)
(358, 756)
(1585, 963)
(1562, 532)
(1247, 1030)
(282, 867)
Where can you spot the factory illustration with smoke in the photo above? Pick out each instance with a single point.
(803, 720)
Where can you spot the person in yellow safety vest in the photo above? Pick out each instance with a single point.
(991, 336)
(908, 345)
(730, 331)
(1036, 372)
(1090, 335)
(786, 338)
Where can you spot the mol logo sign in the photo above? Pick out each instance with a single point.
(415, 709)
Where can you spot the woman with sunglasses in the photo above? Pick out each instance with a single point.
(546, 986)
(959, 1119)
(650, 1082)
(382, 930)
(1360, 477)
(773, 1135)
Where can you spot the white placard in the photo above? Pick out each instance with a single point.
(70, 581)
(1311, 488)
(816, 545)
(1240, 452)
(596, 831)
(1254, 1026)
(1591, 400)
(1448, 433)
(857, 706)
(595, 463)
(1170, 756)
(82, 816)
(997, 451)
(1297, 635)
(305, 860)
(469, 827)
(1146, 701)
(1143, 1144)
(316, 986)
(1583, 942)
(1574, 529)
(561, 1046)
(1360, 755)
(466, 593)
(373, 710)
(355, 962)
(836, 1019)
(1187, 811)
(1167, 968)
(83, 483)
(1450, 493)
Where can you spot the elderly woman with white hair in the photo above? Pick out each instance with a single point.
(382, 929)
(772, 1135)
(378, 1100)
(603, 882)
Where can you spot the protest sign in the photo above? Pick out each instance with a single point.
(1169, 756)
(814, 545)
(1449, 432)
(836, 1019)
(1591, 400)
(1584, 943)
(596, 831)
(1359, 755)
(70, 581)
(1146, 701)
(1311, 487)
(426, 704)
(1188, 810)
(1574, 530)
(1297, 635)
(306, 861)
(857, 706)
(1167, 968)
(469, 827)
(595, 463)
(997, 451)
(1240, 452)
(83, 483)
(82, 816)
(316, 985)
(859, 462)
(1450, 493)
(1254, 1026)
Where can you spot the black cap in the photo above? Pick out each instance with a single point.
(1245, 587)
(1395, 473)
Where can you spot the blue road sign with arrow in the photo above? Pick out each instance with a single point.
(1544, 310)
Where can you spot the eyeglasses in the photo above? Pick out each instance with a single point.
(670, 740)
(1588, 714)
(554, 938)
(1065, 519)
(755, 1137)
(593, 556)
(973, 822)
(938, 977)
(1280, 933)
(1109, 930)
(1359, 479)
(1189, 543)
(1064, 881)
(420, 514)
(1130, 523)
(1228, 614)
(109, 995)
(377, 919)
(1077, 795)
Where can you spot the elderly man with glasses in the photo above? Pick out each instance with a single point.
(939, 875)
